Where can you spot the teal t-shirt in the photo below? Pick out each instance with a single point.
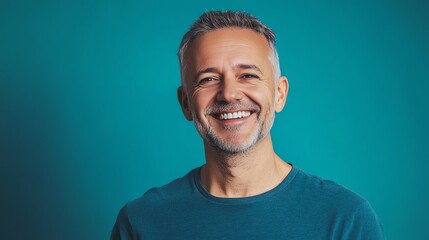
(302, 206)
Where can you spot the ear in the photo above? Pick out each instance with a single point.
(184, 103)
(281, 93)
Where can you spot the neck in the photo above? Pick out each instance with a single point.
(245, 174)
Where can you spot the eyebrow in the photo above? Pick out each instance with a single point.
(248, 66)
(213, 69)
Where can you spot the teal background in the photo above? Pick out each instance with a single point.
(89, 117)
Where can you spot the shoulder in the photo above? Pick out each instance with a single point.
(175, 191)
(134, 215)
(327, 193)
(348, 213)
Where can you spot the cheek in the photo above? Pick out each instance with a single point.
(262, 95)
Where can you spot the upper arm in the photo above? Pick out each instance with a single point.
(365, 224)
(122, 229)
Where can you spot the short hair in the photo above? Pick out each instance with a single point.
(213, 20)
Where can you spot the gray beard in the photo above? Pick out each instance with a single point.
(226, 146)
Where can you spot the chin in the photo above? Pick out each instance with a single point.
(237, 145)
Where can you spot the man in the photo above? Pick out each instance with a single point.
(231, 89)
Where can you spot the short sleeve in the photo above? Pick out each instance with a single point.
(365, 224)
(122, 229)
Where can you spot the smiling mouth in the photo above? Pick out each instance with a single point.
(233, 115)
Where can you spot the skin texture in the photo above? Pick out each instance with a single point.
(230, 70)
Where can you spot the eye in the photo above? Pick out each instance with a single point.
(249, 76)
(207, 80)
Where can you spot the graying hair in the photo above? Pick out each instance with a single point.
(213, 20)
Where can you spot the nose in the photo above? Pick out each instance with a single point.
(229, 90)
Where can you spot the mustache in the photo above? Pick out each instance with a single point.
(221, 107)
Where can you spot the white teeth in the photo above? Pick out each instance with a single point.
(234, 115)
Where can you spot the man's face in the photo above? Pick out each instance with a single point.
(229, 88)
